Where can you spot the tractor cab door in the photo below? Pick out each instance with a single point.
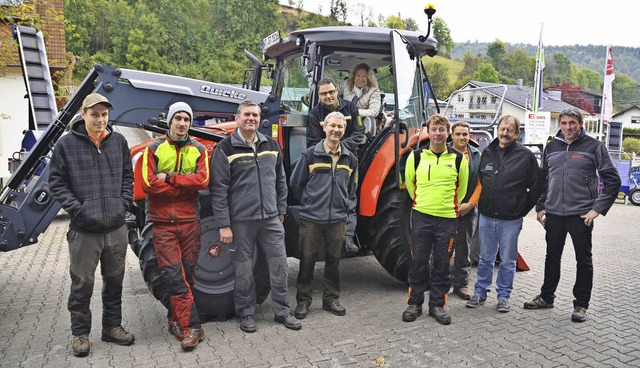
(410, 111)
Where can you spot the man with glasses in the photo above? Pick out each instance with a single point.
(352, 139)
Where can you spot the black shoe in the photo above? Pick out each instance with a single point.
(289, 322)
(302, 309)
(440, 314)
(81, 345)
(334, 307)
(247, 324)
(579, 314)
(118, 335)
(349, 245)
(412, 312)
(192, 339)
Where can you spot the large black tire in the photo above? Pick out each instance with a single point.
(214, 274)
(388, 232)
(634, 196)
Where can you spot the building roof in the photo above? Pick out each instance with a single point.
(521, 97)
(51, 13)
(637, 107)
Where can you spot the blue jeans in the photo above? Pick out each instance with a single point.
(503, 235)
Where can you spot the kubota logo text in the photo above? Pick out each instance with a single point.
(222, 92)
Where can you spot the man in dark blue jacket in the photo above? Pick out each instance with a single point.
(91, 176)
(353, 135)
(569, 203)
(249, 198)
(325, 180)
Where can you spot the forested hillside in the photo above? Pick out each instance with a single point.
(626, 59)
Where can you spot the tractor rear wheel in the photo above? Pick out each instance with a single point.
(388, 232)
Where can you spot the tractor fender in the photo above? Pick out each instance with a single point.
(378, 170)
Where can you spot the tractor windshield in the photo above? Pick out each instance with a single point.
(292, 85)
(409, 86)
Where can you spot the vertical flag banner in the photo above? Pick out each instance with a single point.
(536, 103)
(609, 76)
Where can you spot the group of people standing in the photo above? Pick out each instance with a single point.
(91, 176)
(505, 182)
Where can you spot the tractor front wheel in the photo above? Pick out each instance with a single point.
(388, 232)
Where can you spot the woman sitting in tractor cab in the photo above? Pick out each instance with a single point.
(362, 89)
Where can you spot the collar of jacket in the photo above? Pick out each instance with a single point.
(178, 144)
(560, 136)
(237, 141)
(319, 149)
(79, 129)
(495, 145)
(341, 104)
(472, 149)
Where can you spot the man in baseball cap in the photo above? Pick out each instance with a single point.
(91, 176)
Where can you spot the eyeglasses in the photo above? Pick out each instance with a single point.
(332, 92)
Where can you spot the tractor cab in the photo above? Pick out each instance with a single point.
(307, 56)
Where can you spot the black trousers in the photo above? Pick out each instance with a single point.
(557, 228)
(431, 236)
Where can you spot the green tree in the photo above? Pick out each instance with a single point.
(519, 65)
(496, 52)
(442, 33)
(562, 68)
(625, 92)
(471, 64)
(486, 73)
(394, 21)
(410, 24)
(439, 77)
(338, 10)
(589, 80)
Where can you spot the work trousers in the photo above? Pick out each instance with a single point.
(557, 228)
(312, 237)
(430, 236)
(267, 234)
(177, 246)
(461, 263)
(85, 251)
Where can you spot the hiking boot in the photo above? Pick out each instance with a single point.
(289, 322)
(537, 303)
(462, 292)
(118, 335)
(334, 307)
(579, 314)
(81, 345)
(247, 324)
(503, 305)
(349, 245)
(476, 301)
(412, 312)
(441, 315)
(176, 330)
(192, 339)
(302, 309)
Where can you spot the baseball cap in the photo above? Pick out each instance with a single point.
(94, 99)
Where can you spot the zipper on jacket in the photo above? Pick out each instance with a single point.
(255, 158)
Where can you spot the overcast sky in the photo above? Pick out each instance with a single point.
(566, 22)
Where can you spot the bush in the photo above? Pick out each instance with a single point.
(631, 145)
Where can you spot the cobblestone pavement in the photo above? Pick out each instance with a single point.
(34, 321)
